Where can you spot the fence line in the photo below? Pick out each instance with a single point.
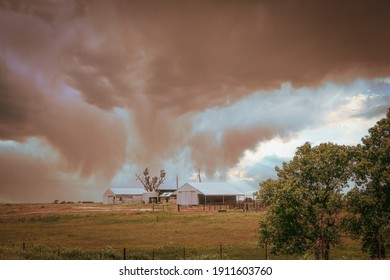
(223, 207)
(40, 252)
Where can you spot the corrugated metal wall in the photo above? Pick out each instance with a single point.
(187, 195)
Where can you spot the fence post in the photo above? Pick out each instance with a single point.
(379, 246)
(124, 253)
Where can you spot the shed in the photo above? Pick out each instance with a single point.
(168, 197)
(123, 195)
(203, 193)
(167, 194)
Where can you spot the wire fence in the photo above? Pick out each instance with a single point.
(33, 251)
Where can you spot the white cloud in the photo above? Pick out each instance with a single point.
(341, 120)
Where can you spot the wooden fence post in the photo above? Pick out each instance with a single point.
(124, 253)
(379, 246)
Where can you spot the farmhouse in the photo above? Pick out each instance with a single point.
(203, 193)
(123, 195)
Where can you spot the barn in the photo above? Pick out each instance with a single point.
(207, 192)
(123, 195)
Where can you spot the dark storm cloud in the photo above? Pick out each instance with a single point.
(195, 54)
(166, 61)
(19, 103)
(23, 177)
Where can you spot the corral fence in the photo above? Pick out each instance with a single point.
(244, 206)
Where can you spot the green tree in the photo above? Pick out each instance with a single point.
(369, 201)
(305, 201)
(268, 189)
(151, 184)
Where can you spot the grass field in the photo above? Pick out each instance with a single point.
(96, 231)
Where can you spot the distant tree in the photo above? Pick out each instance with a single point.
(151, 184)
(305, 201)
(369, 201)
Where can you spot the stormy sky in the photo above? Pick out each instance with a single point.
(92, 92)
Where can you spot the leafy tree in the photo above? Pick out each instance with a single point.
(305, 201)
(268, 189)
(369, 201)
(151, 184)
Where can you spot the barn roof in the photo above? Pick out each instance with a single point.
(211, 188)
(131, 191)
(166, 194)
(167, 188)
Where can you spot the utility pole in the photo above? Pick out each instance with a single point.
(199, 176)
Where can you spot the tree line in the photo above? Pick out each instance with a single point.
(327, 191)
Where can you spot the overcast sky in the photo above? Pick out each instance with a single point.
(92, 92)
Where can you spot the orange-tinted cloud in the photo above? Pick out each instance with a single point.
(67, 66)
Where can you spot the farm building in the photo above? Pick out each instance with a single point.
(203, 193)
(123, 195)
(167, 194)
(138, 195)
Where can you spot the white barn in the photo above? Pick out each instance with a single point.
(203, 193)
(123, 195)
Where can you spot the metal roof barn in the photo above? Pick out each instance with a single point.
(123, 195)
(203, 193)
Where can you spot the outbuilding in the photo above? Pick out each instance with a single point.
(123, 195)
(208, 192)
(167, 194)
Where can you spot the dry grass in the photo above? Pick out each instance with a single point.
(90, 229)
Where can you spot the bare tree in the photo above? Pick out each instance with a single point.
(151, 184)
